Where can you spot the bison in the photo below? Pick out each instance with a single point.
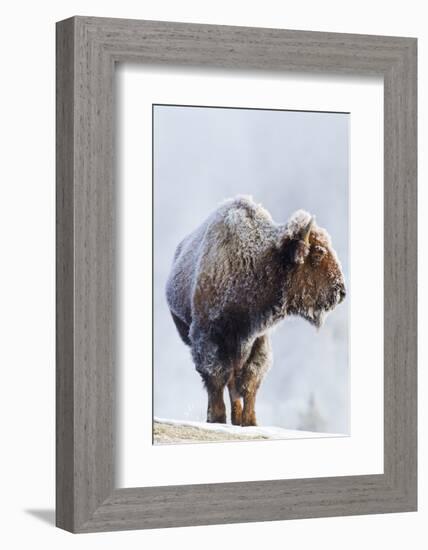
(235, 277)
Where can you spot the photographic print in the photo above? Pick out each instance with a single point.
(251, 274)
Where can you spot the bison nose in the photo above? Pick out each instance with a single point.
(342, 294)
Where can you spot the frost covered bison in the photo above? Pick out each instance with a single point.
(236, 276)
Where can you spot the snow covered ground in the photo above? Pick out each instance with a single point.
(169, 431)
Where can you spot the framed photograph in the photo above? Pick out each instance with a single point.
(232, 277)
(236, 274)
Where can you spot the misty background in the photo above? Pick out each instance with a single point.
(286, 160)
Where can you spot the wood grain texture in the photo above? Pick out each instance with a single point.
(87, 50)
(64, 276)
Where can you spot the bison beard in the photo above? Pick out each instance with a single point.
(236, 276)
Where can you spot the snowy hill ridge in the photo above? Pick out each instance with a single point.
(170, 431)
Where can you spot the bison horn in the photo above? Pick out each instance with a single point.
(307, 231)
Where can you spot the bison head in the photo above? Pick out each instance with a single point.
(314, 283)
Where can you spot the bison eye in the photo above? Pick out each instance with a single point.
(318, 253)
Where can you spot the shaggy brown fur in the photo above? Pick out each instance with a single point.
(232, 279)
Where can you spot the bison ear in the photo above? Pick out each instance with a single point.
(294, 251)
(299, 251)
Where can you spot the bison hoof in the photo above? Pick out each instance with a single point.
(217, 419)
(248, 422)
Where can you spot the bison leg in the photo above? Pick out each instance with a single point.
(216, 411)
(249, 412)
(214, 373)
(235, 401)
(215, 384)
(250, 377)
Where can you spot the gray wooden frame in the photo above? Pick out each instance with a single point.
(87, 50)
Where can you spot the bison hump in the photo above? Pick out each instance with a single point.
(234, 247)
